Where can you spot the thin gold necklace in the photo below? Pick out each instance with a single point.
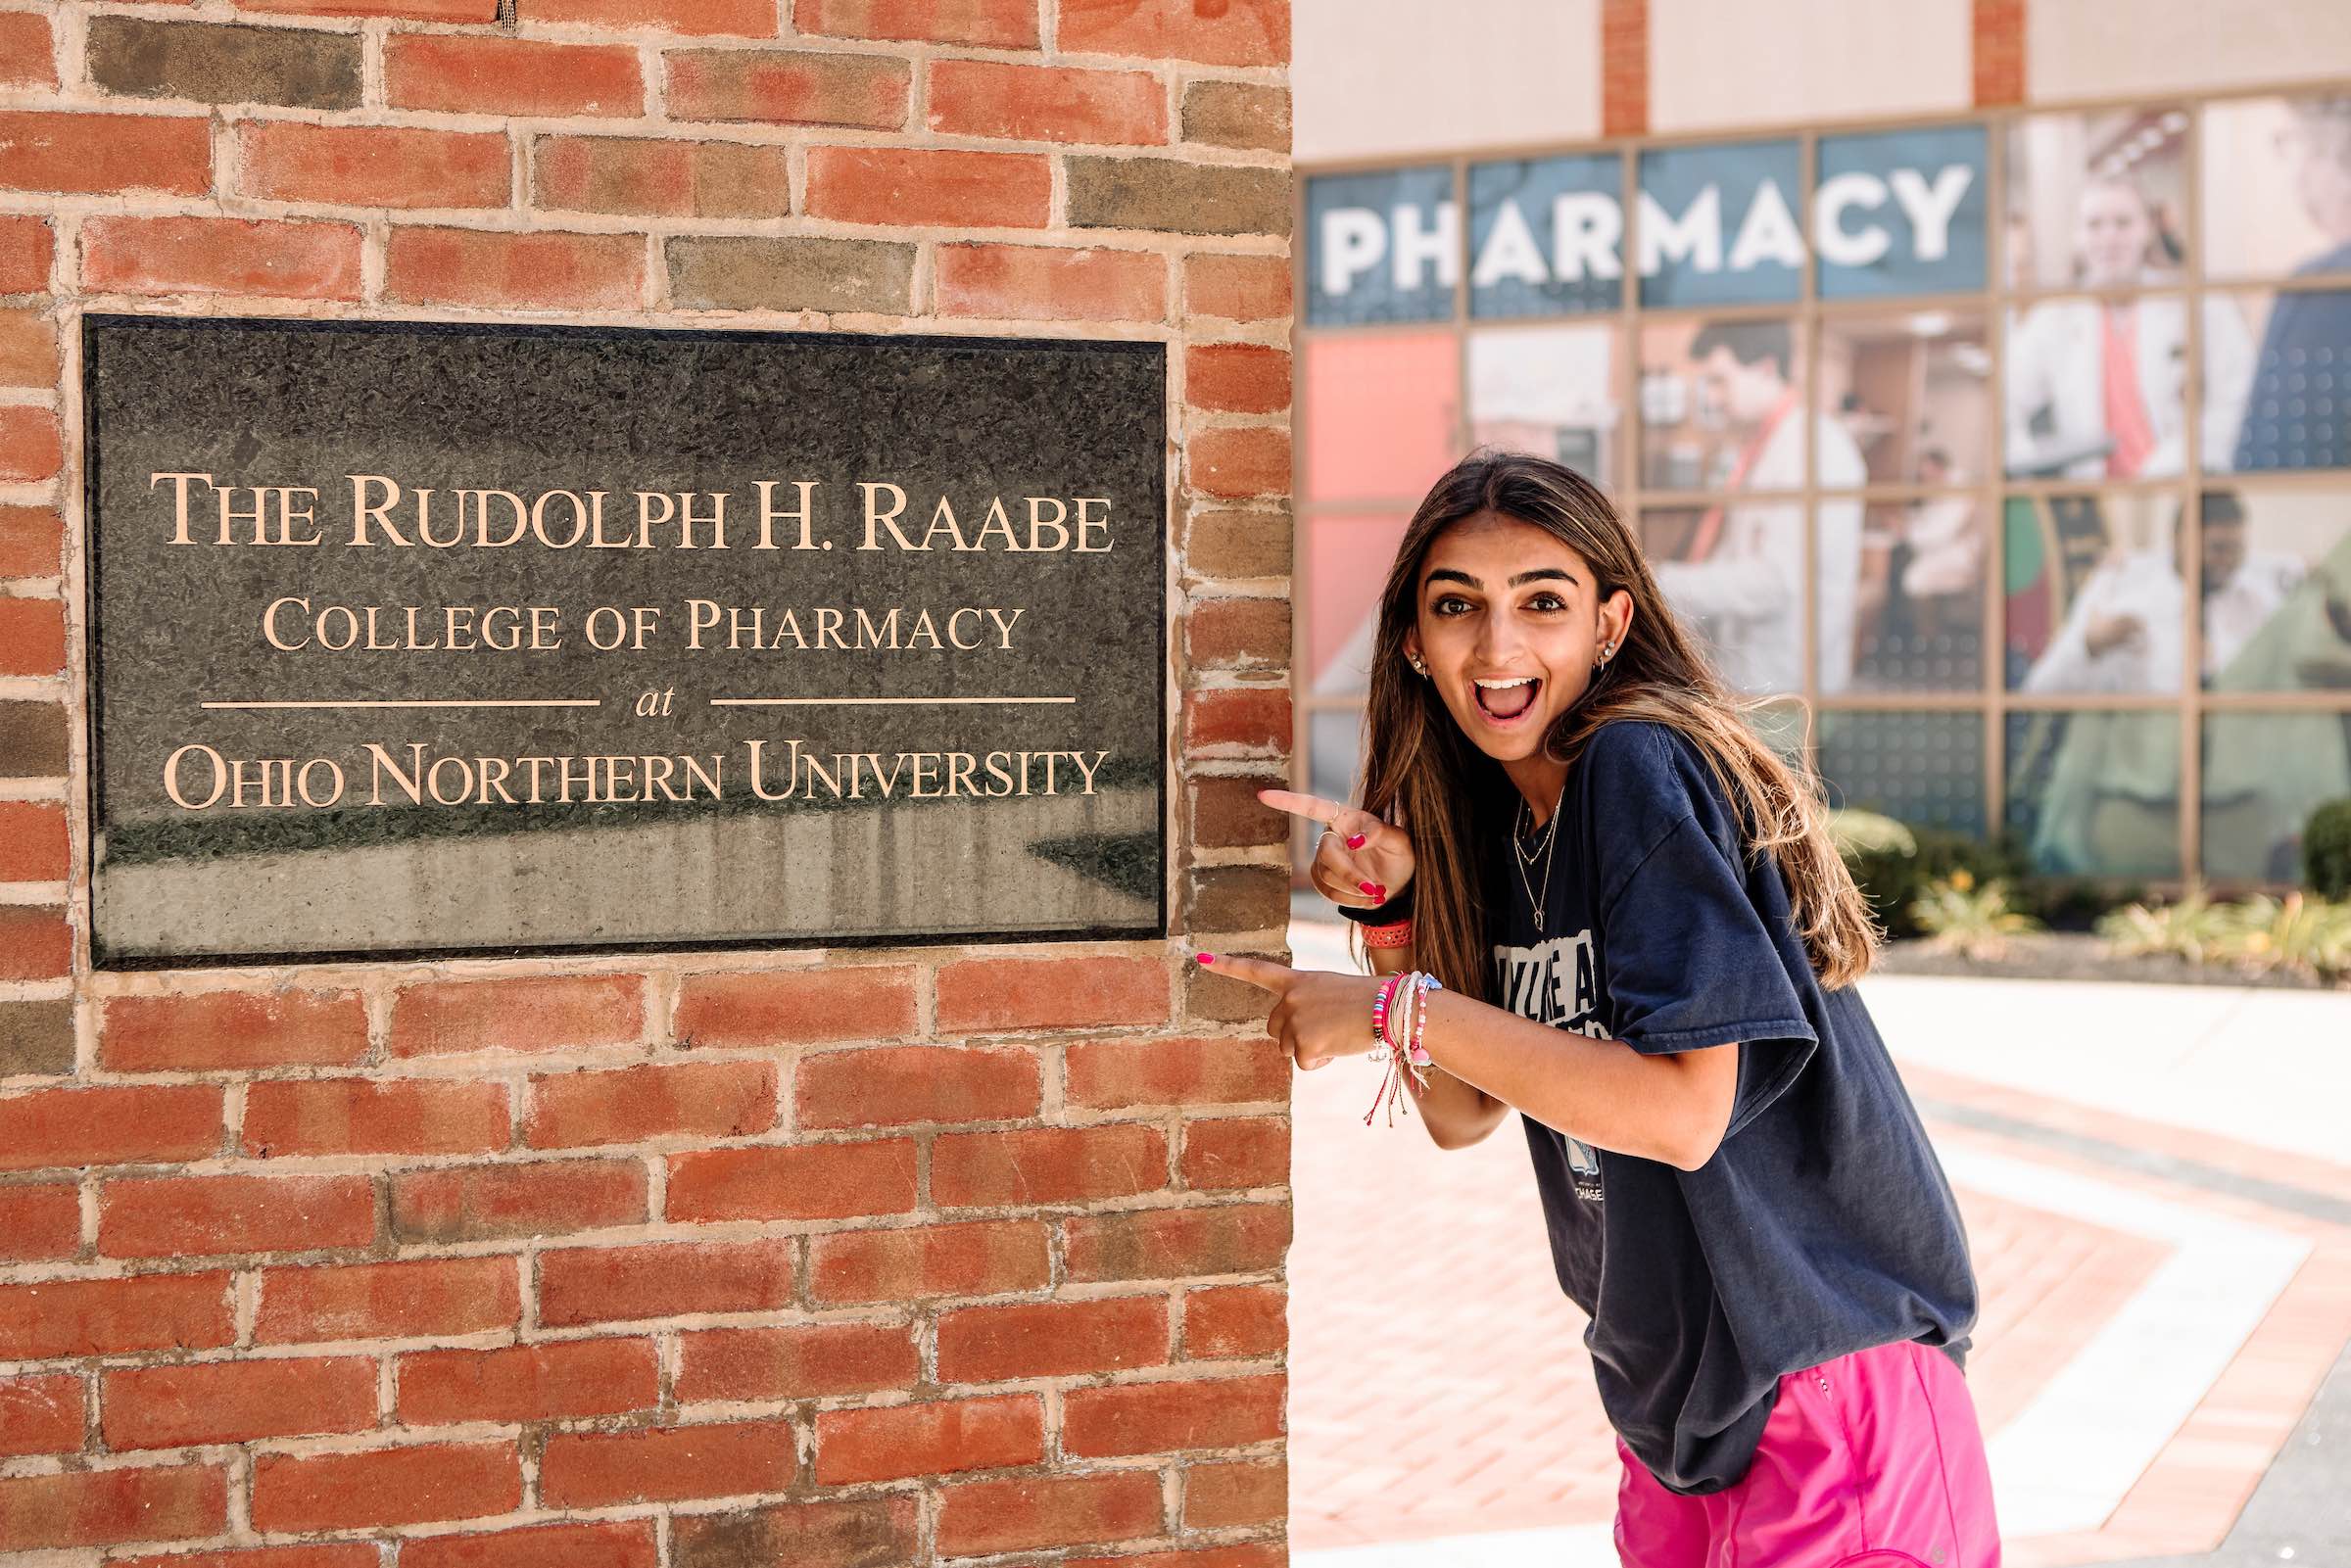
(1550, 839)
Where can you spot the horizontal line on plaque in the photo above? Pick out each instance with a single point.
(425, 703)
(869, 702)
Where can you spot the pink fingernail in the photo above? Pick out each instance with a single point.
(1369, 888)
(1206, 958)
(1356, 841)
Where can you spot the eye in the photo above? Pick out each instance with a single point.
(1546, 603)
(1451, 604)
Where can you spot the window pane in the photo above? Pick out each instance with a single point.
(1381, 415)
(1722, 408)
(2095, 596)
(2276, 581)
(2278, 186)
(1347, 561)
(1734, 576)
(1334, 740)
(1381, 246)
(1924, 769)
(2097, 389)
(1551, 391)
(2097, 793)
(1901, 212)
(1718, 225)
(1546, 235)
(2095, 199)
(1913, 391)
(2287, 403)
(1917, 619)
(1781, 727)
(2263, 773)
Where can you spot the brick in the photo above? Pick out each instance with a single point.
(1171, 1243)
(611, 1544)
(1052, 1339)
(982, 1258)
(1237, 898)
(28, 56)
(1262, 1555)
(28, 246)
(478, 11)
(55, 150)
(789, 87)
(1248, 717)
(36, 1038)
(168, 1216)
(1047, 103)
(1251, 460)
(613, 1284)
(1236, 1152)
(1237, 544)
(420, 1299)
(1225, 812)
(893, 1085)
(27, 350)
(1237, 634)
(598, 1469)
(373, 166)
(797, 1007)
(695, 1099)
(543, 1198)
(1014, 993)
(35, 943)
(114, 1317)
(109, 1126)
(797, 272)
(235, 1402)
(808, 1360)
(1115, 1074)
(142, 57)
(33, 848)
(32, 746)
(755, 19)
(1171, 196)
(928, 186)
(806, 1181)
(539, 271)
(231, 1030)
(990, 24)
(1251, 115)
(1252, 1492)
(900, 1442)
(860, 1533)
(39, 1221)
(422, 1483)
(568, 1379)
(984, 1516)
(534, 1013)
(1212, 998)
(472, 74)
(1238, 32)
(99, 1508)
(1238, 288)
(1237, 1321)
(645, 177)
(268, 257)
(353, 1554)
(1165, 1417)
(1044, 283)
(374, 1116)
(1047, 1166)
(41, 1415)
(1237, 378)
(32, 450)
(32, 631)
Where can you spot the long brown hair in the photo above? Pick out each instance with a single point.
(1422, 770)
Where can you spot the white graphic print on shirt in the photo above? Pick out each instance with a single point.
(1551, 982)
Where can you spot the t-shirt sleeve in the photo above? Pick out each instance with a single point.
(1687, 960)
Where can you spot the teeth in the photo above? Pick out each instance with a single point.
(1505, 685)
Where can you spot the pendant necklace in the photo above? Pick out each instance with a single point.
(1525, 858)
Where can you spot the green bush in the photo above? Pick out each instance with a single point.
(2326, 850)
(1963, 915)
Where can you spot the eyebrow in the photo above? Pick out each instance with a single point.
(1446, 574)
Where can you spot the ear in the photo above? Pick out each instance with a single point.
(1617, 617)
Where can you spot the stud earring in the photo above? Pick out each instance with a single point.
(1417, 667)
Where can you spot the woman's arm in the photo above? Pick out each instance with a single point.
(1458, 1113)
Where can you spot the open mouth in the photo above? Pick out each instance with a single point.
(1506, 699)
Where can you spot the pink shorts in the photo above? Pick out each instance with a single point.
(1872, 1460)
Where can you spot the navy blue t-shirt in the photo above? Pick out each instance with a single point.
(1822, 1225)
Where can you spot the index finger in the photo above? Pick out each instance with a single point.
(1312, 807)
(1262, 973)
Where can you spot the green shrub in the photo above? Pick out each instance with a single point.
(1962, 915)
(2326, 850)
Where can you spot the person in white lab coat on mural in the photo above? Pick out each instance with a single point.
(2096, 388)
(1744, 578)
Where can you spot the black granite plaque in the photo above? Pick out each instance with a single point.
(414, 639)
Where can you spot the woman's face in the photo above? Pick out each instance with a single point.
(1510, 622)
(2116, 232)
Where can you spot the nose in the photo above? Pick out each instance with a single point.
(1500, 639)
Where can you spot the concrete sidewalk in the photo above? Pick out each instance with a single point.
(2157, 1185)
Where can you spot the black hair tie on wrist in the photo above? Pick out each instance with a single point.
(1387, 914)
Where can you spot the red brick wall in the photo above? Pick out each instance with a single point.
(712, 1261)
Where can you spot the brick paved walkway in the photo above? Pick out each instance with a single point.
(2152, 1302)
